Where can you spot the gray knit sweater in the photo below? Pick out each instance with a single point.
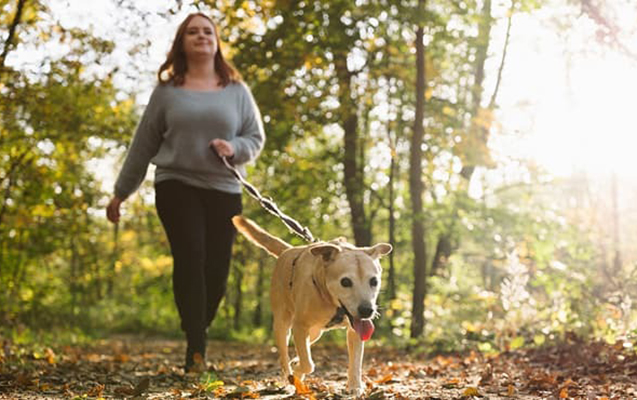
(174, 133)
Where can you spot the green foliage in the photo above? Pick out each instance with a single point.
(51, 126)
(62, 265)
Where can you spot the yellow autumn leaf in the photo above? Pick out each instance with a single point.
(471, 392)
(50, 356)
(429, 92)
(446, 110)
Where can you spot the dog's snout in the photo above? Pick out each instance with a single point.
(365, 310)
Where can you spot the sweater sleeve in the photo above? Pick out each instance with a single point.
(145, 145)
(251, 137)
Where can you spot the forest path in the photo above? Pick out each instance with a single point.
(134, 367)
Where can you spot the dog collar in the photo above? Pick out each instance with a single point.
(341, 312)
(346, 312)
(337, 319)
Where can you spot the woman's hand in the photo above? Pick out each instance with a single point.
(112, 210)
(223, 148)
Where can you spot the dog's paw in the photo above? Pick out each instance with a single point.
(357, 392)
(302, 369)
(293, 362)
(355, 387)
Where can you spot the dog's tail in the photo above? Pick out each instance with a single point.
(260, 237)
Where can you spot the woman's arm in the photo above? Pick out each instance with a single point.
(249, 142)
(144, 147)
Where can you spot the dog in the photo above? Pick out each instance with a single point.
(319, 287)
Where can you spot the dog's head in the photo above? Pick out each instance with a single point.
(352, 278)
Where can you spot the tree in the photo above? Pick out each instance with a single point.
(52, 123)
(416, 186)
(324, 55)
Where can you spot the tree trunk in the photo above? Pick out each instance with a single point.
(444, 249)
(110, 279)
(74, 287)
(354, 184)
(478, 129)
(416, 189)
(617, 258)
(476, 151)
(238, 299)
(393, 178)
(391, 275)
(21, 161)
(15, 271)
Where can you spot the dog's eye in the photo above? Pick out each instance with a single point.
(346, 282)
(373, 282)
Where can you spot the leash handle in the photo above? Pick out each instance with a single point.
(267, 203)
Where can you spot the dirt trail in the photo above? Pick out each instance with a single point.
(150, 368)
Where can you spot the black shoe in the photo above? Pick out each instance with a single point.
(195, 361)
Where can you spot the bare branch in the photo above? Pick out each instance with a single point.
(8, 43)
(504, 55)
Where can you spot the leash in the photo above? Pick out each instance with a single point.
(268, 204)
(292, 224)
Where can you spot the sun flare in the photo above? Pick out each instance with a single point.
(569, 111)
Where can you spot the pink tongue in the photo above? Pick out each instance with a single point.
(364, 328)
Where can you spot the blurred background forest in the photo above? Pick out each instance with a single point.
(490, 141)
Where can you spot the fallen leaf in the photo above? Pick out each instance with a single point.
(50, 356)
(385, 379)
(471, 392)
(211, 385)
(96, 391)
(301, 388)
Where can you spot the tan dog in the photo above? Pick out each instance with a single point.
(319, 287)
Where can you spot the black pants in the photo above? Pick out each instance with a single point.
(198, 223)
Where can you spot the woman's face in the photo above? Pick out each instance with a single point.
(199, 39)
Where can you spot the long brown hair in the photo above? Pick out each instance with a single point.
(173, 70)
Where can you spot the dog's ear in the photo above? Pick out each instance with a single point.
(339, 240)
(378, 250)
(326, 250)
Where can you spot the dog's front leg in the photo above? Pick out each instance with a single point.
(355, 350)
(281, 336)
(302, 343)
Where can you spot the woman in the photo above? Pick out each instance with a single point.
(199, 104)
